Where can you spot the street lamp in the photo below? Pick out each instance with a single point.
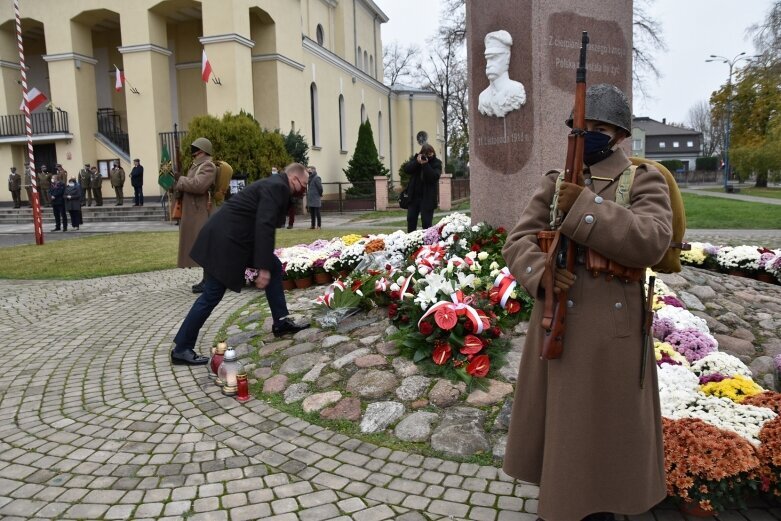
(731, 63)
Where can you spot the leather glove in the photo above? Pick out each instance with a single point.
(568, 193)
(562, 280)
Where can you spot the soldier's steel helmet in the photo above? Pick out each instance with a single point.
(203, 144)
(605, 102)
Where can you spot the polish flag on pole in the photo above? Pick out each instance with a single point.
(120, 79)
(206, 68)
(34, 99)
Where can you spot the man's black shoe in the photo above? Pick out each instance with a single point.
(188, 358)
(285, 326)
(198, 288)
(55, 229)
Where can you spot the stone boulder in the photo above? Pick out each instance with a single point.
(317, 401)
(347, 409)
(371, 383)
(413, 387)
(379, 415)
(461, 433)
(446, 393)
(416, 427)
(735, 346)
(494, 393)
(276, 384)
(296, 392)
(300, 363)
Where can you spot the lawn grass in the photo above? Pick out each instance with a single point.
(122, 253)
(770, 192)
(703, 212)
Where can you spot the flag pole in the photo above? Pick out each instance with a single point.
(36, 201)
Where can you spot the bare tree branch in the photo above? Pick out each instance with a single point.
(398, 61)
(647, 39)
(767, 35)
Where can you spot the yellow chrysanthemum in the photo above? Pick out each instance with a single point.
(737, 388)
(351, 239)
(663, 348)
(694, 256)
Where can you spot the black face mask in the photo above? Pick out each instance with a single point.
(596, 147)
(194, 150)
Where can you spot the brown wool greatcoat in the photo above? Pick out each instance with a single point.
(195, 201)
(581, 427)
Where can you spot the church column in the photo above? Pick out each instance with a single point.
(226, 40)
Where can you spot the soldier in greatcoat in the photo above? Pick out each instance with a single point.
(117, 177)
(85, 181)
(582, 427)
(45, 184)
(193, 189)
(28, 183)
(96, 184)
(15, 187)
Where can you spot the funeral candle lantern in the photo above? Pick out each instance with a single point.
(216, 360)
(229, 371)
(242, 393)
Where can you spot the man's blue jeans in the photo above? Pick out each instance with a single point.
(213, 291)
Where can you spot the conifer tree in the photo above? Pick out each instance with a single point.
(364, 165)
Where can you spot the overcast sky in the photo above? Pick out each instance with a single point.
(692, 30)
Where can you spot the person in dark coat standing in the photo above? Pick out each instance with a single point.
(137, 181)
(314, 195)
(57, 193)
(15, 187)
(73, 195)
(241, 235)
(96, 182)
(85, 182)
(424, 170)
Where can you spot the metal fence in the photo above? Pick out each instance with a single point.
(460, 188)
(110, 125)
(42, 123)
(172, 141)
(348, 197)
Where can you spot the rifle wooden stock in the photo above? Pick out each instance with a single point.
(562, 253)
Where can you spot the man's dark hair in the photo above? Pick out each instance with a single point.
(426, 149)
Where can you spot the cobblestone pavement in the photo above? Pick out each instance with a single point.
(95, 423)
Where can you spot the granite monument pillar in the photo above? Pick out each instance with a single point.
(522, 56)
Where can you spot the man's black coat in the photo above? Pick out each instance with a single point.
(241, 234)
(137, 176)
(423, 181)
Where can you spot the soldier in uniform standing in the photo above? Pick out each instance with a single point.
(117, 177)
(15, 187)
(582, 426)
(28, 184)
(85, 180)
(194, 192)
(96, 185)
(45, 185)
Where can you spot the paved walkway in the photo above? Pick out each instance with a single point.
(95, 423)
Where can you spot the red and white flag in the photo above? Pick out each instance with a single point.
(35, 99)
(206, 68)
(119, 82)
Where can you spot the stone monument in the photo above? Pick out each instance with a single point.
(512, 143)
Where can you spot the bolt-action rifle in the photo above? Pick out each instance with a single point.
(560, 249)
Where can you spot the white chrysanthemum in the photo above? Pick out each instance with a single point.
(722, 363)
(682, 319)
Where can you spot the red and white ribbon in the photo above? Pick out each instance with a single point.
(381, 285)
(430, 255)
(405, 286)
(506, 284)
(460, 307)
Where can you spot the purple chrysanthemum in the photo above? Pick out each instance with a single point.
(666, 359)
(715, 377)
(662, 327)
(672, 301)
(431, 235)
(691, 343)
